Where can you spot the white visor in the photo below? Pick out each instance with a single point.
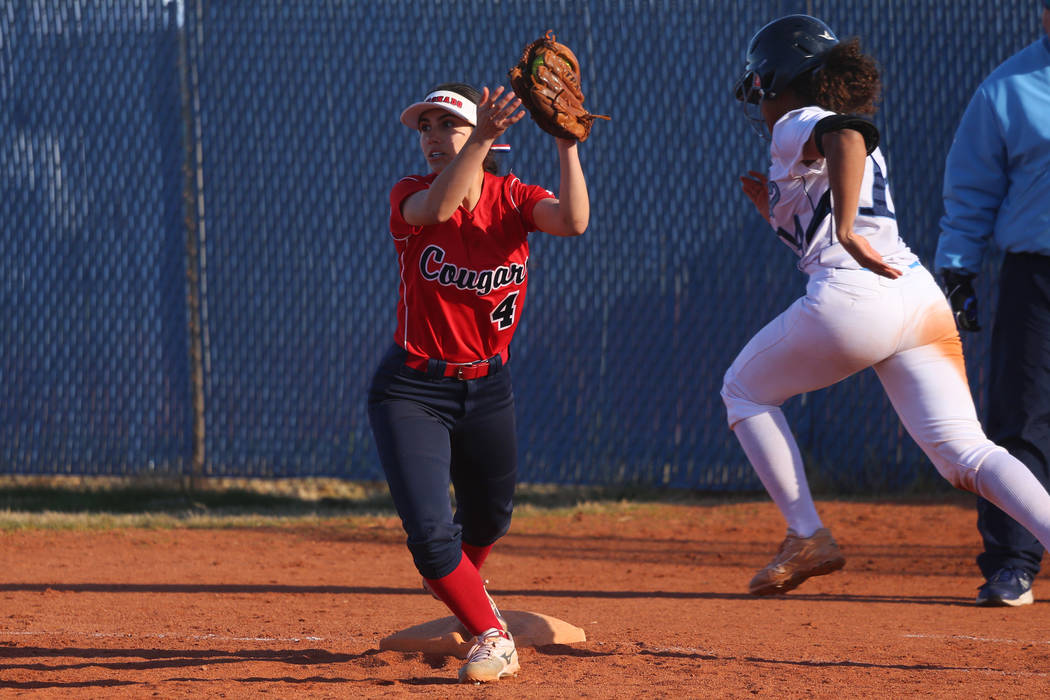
(451, 102)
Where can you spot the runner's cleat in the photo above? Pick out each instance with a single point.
(797, 559)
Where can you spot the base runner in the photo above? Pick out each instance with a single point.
(868, 303)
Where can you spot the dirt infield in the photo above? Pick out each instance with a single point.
(298, 611)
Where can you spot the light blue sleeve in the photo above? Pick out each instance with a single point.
(975, 183)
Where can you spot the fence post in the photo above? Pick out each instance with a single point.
(193, 218)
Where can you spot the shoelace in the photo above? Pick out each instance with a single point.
(484, 648)
(1004, 576)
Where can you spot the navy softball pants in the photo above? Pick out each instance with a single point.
(434, 431)
(1018, 402)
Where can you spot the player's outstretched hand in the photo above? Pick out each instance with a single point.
(756, 188)
(496, 112)
(866, 256)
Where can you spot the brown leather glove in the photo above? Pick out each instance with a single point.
(547, 79)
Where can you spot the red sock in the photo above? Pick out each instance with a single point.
(464, 594)
(477, 555)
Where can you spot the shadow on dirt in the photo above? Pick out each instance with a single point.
(281, 498)
(313, 497)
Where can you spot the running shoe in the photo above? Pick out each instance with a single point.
(797, 559)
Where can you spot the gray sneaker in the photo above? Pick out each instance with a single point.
(797, 559)
(1007, 587)
(492, 657)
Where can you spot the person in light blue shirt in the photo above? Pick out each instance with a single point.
(997, 191)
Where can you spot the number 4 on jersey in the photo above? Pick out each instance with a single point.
(503, 314)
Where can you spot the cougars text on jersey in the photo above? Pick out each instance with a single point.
(432, 267)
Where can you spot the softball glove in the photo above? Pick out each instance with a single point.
(547, 79)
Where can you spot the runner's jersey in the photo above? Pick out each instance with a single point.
(800, 200)
(463, 281)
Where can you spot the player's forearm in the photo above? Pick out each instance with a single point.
(451, 186)
(574, 202)
(845, 153)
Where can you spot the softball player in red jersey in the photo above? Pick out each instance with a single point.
(868, 303)
(441, 404)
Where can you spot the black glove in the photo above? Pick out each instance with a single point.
(959, 288)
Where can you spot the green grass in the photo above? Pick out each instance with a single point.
(132, 496)
(102, 503)
(90, 503)
(112, 502)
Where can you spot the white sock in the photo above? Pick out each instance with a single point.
(1008, 483)
(773, 452)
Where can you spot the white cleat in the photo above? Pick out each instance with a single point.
(492, 657)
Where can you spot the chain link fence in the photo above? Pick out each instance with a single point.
(197, 277)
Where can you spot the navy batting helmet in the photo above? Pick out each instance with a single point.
(780, 52)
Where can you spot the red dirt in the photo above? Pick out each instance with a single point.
(299, 611)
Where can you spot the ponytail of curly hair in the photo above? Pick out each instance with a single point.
(848, 81)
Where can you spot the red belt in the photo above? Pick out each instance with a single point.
(459, 370)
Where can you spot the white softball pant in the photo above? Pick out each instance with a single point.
(850, 320)
(903, 328)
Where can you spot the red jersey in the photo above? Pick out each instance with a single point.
(463, 281)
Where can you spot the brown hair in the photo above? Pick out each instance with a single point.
(848, 82)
